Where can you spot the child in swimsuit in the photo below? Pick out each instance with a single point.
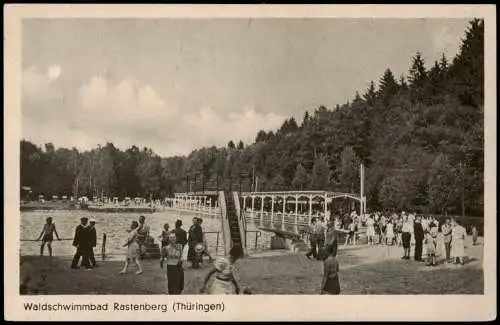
(47, 236)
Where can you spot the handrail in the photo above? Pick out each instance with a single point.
(35, 240)
(240, 217)
(258, 234)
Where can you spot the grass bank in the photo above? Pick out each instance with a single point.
(363, 270)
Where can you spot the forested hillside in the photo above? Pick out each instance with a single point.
(420, 137)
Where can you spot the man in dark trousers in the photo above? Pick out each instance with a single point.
(82, 244)
(418, 232)
(195, 237)
(93, 242)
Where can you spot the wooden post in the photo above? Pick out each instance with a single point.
(103, 247)
(272, 211)
(283, 216)
(325, 205)
(296, 213)
(362, 189)
(262, 211)
(217, 244)
(310, 208)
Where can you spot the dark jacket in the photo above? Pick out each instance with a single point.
(418, 231)
(195, 234)
(79, 236)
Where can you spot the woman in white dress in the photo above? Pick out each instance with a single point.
(370, 230)
(389, 233)
(133, 253)
(224, 282)
(458, 243)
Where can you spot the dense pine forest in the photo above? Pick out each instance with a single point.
(419, 135)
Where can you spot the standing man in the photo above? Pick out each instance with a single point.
(195, 236)
(81, 242)
(406, 229)
(142, 235)
(93, 242)
(447, 229)
(312, 240)
(418, 232)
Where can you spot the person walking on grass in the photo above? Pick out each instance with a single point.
(173, 265)
(142, 235)
(330, 283)
(133, 249)
(47, 235)
(92, 242)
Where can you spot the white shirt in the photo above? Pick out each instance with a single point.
(407, 226)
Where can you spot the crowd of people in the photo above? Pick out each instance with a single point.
(403, 230)
(178, 247)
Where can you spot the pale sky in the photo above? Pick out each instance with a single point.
(175, 85)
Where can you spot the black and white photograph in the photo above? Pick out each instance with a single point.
(252, 155)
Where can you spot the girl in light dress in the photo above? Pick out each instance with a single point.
(389, 233)
(431, 245)
(458, 243)
(133, 253)
(370, 230)
(224, 282)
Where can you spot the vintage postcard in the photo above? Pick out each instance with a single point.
(257, 162)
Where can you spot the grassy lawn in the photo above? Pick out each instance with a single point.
(363, 270)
